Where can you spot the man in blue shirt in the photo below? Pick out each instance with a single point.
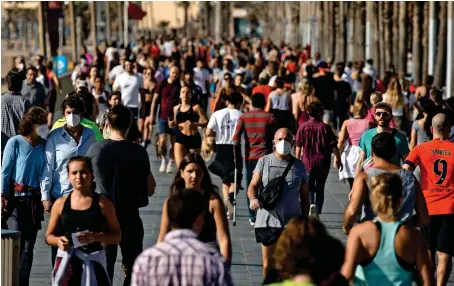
(383, 116)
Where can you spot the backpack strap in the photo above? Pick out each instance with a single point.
(287, 169)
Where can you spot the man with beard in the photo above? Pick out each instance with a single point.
(383, 116)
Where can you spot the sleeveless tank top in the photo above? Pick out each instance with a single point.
(385, 268)
(190, 115)
(50, 80)
(355, 128)
(280, 102)
(208, 233)
(409, 194)
(91, 219)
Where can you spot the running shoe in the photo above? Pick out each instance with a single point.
(169, 167)
(313, 211)
(163, 166)
(229, 207)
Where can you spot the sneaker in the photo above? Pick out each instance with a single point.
(313, 211)
(252, 223)
(169, 168)
(163, 166)
(229, 207)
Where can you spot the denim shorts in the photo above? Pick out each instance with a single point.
(163, 126)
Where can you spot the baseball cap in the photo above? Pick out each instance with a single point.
(82, 83)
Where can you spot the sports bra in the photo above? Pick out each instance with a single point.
(190, 115)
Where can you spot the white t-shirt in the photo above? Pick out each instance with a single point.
(102, 106)
(116, 71)
(201, 76)
(129, 85)
(223, 123)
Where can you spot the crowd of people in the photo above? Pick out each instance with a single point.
(199, 104)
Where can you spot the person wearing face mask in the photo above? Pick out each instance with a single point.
(293, 200)
(23, 162)
(19, 66)
(315, 141)
(72, 139)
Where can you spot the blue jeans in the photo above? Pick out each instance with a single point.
(317, 180)
(250, 166)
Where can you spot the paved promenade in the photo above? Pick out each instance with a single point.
(246, 262)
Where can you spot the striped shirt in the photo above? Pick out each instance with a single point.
(181, 259)
(257, 128)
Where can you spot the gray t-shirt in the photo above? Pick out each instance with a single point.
(288, 205)
(35, 93)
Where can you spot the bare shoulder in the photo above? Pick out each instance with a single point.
(59, 203)
(364, 228)
(104, 202)
(215, 201)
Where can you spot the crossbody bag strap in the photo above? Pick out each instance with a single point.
(287, 169)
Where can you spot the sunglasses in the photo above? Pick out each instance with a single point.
(382, 114)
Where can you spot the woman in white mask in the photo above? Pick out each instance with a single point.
(23, 162)
(63, 143)
(279, 168)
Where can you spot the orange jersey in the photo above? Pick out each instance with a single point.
(436, 161)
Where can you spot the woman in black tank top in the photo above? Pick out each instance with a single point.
(193, 174)
(83, 216)
(186, 122)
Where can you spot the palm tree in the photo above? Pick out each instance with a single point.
(360, 30)
(425, 42)
(402, 55)
(388, 33)
(185, 5)
(381, 38)
(416, 44)
(395, 30)
(440, 66)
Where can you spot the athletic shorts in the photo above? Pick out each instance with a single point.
(267, 235)
(163, 126)
(439, 234)
(328, 115)
(145, 109)
(189, 142)
(224, 163)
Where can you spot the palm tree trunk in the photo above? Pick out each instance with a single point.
(440, 67)
(381, 38)
(416, 44)
(351, 30)
(402, 55)
(425, 42)
(372, 40)
(319, 27)
(395, 30)
(388, 34)
(361, 29)
(341, 32)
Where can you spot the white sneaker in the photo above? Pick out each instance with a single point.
(251, 223)
(163, 166)
(313, 211)
(169, 168)
(229, 207)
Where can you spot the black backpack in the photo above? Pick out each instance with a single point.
(269, 194)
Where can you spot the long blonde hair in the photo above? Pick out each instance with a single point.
(386, 194)
(394, 94)
(307, 91)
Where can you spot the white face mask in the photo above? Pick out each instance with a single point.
(283, 147)
(73, 120)
(42, 131)
(20, 66)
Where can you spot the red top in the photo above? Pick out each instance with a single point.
(168, 98)
(264, 89)
(436, 161)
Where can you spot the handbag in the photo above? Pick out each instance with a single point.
(270, 194)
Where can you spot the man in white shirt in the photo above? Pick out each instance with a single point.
(130, 85)
(202, 76)
(222, 125)
(117, 70)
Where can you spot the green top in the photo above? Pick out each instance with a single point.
(85, 123)
(291, 283)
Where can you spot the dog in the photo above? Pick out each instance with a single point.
(207, 150)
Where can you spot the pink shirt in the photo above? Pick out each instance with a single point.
(355, 128)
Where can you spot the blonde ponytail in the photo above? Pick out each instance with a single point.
(386, 194)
